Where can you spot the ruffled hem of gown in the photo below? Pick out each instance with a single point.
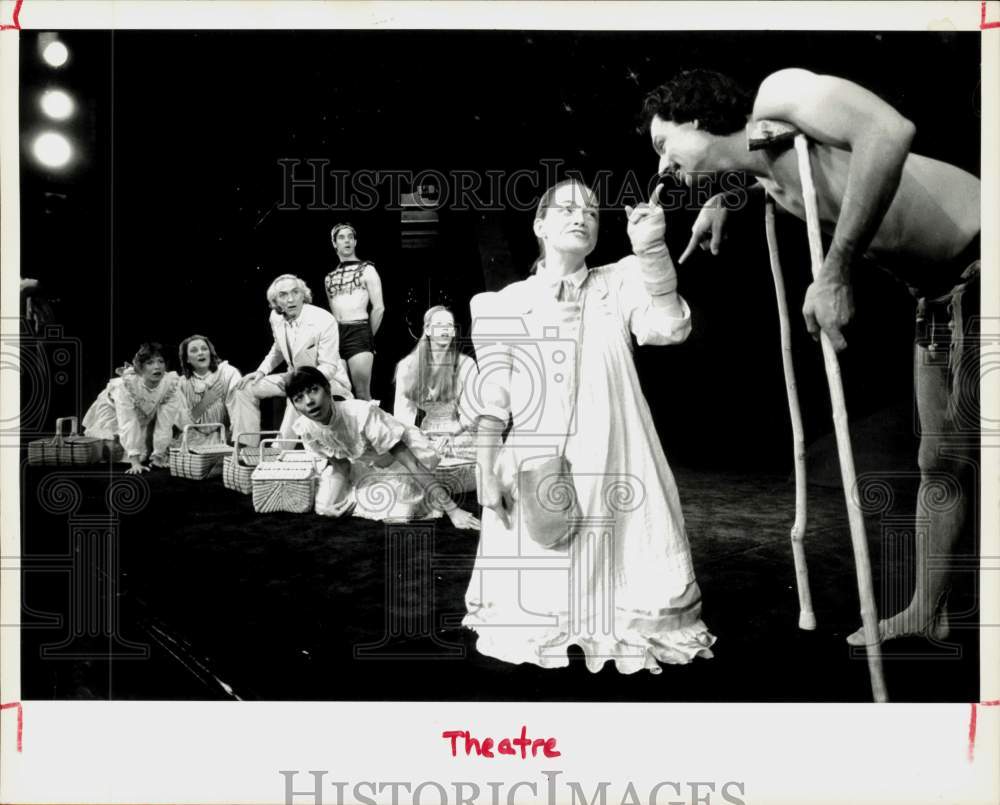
(640, 646)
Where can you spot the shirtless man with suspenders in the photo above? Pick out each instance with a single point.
(350, 288)
(915, 216)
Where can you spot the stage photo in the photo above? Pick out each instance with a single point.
(499, 366)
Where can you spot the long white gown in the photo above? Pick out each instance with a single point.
(621, 587)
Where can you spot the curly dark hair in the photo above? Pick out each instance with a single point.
(715, 100)
(146, 353)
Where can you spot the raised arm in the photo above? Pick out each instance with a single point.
(654, 310)
(838, 112)
(374, 285)
(708, 227)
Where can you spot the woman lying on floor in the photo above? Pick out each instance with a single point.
(138, 410)
(373, 465)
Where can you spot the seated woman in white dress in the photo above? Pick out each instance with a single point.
(371, 464)
(434, 380)
(554, 352)
(138, 410)
(208, 388)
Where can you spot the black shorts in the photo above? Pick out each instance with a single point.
(355, 337)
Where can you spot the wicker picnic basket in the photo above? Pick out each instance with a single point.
(66, 449)
(201, 462)
(457, 474)
(285, 485)
(238, 466)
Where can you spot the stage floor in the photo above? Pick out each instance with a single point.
(201, 598)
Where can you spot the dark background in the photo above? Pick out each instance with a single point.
(167, 223)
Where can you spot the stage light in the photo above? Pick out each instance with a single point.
(52, 149)
(57, 104)
(55, 53)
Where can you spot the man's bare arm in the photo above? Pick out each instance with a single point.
(838, 112)
(374, 285)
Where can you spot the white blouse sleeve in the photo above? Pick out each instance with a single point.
(491, 328)
(650, 324)
(131, 431)
(381, 431)
(230, 377)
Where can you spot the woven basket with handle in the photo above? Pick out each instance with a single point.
(201, 462)
(66, 449)
(285, 485)
(238, 466)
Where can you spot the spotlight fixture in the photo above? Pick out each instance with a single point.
(52, 149)
(57, 104)
(56, 54)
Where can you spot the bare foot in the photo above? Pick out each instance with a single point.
(903, 624)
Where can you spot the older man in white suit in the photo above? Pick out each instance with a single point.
(304, 335)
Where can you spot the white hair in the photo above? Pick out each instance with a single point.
(272, 291)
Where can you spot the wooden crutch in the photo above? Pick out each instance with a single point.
(862, 564)
(807, 618)
(765, 134)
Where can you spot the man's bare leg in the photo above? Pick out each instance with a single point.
(361, 374)
(946, 472)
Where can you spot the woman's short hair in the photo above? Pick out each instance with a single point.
(272, 291)
(303, 379)
(147, 351)
(182, 355)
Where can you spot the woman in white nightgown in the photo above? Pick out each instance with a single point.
(208, 389)
(621, 584)
(139, 410)
(433, 379)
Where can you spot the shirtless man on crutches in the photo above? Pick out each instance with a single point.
(915, 216)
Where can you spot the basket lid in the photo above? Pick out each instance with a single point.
(297, 456)
(211, 450)
(452, 463)
(282, 471)
(81, 440)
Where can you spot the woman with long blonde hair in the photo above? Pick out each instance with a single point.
(434, 380)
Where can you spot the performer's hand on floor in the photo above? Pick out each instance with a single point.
(829, 306)
(460, 518)
(708, 227)
(136, 468)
